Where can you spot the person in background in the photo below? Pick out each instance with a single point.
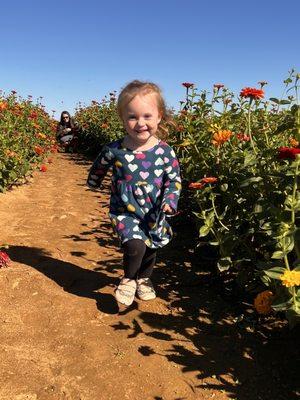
(67, 132)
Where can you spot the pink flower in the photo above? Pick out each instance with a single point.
(4, 259)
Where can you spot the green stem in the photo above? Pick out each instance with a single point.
(286, 262)
(249, 127)
(216, 214)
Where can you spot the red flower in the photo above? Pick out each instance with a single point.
(242, 137)
(39, 150)
(196, 185)
(288, 153)
(187, 84)
(4, 259)
(43, 168)
(252, 93)
(218, 85)
(209, 179)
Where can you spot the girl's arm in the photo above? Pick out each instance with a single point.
(99, 168)
(172, 183)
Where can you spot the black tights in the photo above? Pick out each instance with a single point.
(138, 259)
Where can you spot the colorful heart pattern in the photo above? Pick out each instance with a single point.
(141, 182)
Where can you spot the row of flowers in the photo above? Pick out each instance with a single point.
(241, 158)
(27, 136)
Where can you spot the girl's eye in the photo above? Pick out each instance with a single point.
(131, 117)
(148, 116)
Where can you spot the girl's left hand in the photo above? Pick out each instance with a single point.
(167, 209)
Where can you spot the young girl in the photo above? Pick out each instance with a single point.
(145, 186)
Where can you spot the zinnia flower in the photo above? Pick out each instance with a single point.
(293, 142)
(290, 278)
(288, 153)
(3, 105)
(263, 301)
(221, 137)
(39, 150)
(242, 137)
(187, 84)
(4, 259)
(196, 185)
(218, 86)
(209, 179)
(43, 168)
(252, 93)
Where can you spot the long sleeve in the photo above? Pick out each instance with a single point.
(99, 168)
(172, 182)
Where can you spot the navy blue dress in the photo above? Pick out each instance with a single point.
(142, 182)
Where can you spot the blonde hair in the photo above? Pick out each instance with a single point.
(136, 87)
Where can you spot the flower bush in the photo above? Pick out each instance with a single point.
(249, 211)
(27, 135)
(99, 123)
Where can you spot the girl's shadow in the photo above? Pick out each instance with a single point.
(72, 278)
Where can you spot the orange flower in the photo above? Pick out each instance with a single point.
(263, 301)
(196, 185)
(209, 179)
(10, 153)
(40, 136)
(104, 126)
(293, 142)
(3, 105)
(221, 137)
(38, 150)
(252, 93)
(43, 168)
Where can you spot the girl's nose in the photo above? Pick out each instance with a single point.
(141, 122)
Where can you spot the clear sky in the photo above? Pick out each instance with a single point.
(69, 50)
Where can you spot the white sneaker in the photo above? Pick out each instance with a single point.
(145, 289)
(125, 292)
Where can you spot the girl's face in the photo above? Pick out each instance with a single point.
(141, 117)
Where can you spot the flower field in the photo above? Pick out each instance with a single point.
(27, 136)
(240, 168)
(238, 155)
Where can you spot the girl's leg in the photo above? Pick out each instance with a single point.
(147, 263)
(134, 252)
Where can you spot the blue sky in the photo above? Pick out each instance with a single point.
(70, 51)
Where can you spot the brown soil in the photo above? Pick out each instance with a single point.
(63, 337)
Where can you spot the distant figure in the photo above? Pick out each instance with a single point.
(67, 132)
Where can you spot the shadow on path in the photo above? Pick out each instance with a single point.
(72, 278)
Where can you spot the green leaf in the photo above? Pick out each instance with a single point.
(277, 255)
(283, 102)
(254, 179)
(277, 101)
(283, 306)
(274, 272)
(204, 230)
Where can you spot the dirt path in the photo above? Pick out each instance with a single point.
(62, 336)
